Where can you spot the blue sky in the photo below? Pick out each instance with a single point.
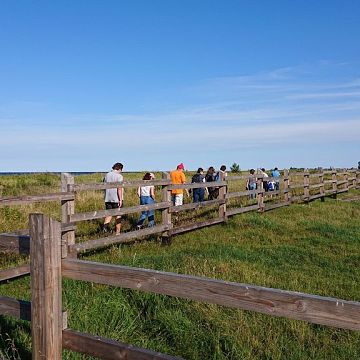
(84, 84)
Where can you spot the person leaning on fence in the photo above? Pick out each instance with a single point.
(113, 197)
(276, 174)
(198, 193)
(147, 196)
(178, 177)
(210, 177)
(251, 183)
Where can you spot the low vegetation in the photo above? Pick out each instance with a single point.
(311, 248)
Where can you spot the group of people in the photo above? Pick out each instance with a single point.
(178, 177)
(269, 185)
(114, 197)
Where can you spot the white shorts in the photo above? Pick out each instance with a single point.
(178, 199)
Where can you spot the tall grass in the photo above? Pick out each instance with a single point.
(310, 248)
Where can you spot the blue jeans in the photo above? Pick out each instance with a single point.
(149, 214)
(252, 186)
(198, 195)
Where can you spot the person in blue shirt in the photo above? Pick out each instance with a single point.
(276, 174)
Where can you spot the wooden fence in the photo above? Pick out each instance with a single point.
(50, 334)
(293, 187)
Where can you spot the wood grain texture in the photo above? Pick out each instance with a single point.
(45, 267)
(19, 309)
(312, 308)
(29, 199)
(108, 349)
(245, 209)
(116, 239)
(195, 226)
(192, 206)
(98, 214)
(67, 209)
(15, 243)
(14, 272)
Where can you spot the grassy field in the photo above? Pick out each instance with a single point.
(310, 248)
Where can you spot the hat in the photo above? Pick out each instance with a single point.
(181, 166)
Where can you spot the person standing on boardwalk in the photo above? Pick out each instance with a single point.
(147, 196)
(198, 193)
(178, 177)
(114, 197)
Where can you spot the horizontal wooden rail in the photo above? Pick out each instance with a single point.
(124, 184)
(294, 305)
(175, 209)
(197, 185)
(107, 349)
(329, 181)
(195, 226)
(270, 206)
(14, 272)
(315, 186)
(242, 193)
(292, 186)
(242, 210)
(116, 239)
(272, 192)
(28, 199)
(341, 182)
(15, 243)
(19, 309)
(92, 215)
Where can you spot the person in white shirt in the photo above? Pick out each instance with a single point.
(147, 196)
(113, 197)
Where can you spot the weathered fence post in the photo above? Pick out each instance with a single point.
(222, 196)
(354, 179)
(165, 214)
(67, 209)
(346, 179)
(45, 270)
(287, 194)
(334, 183)
(306, 185)
(260, 195)
(322, 185)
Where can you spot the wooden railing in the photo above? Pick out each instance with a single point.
(294, 187)
(50, 334)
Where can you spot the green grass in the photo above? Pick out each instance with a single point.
(310, 248)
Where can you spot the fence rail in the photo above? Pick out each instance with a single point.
(51, 251)
(330, 183)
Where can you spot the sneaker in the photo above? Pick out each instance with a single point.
(105, 228)
(138, 227)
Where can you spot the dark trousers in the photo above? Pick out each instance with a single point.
(198, 195)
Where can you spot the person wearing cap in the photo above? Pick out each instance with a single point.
(147, 196)
(178, 177)
(113, 197)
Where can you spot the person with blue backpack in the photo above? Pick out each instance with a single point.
(276, 174)
(198, 193)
